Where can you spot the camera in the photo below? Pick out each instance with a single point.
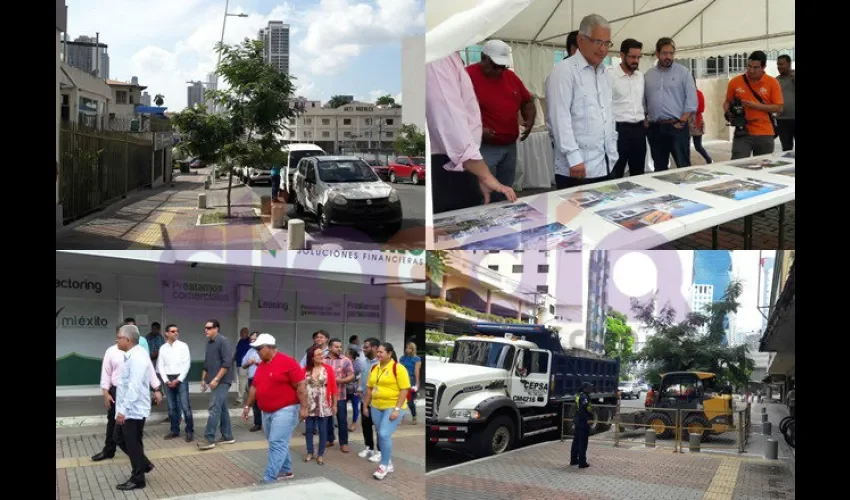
(736, 117)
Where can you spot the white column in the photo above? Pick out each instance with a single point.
(394, 316)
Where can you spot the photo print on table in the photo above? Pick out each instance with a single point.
(459, 227)
(742, 189)
(788, 154)
(650, 212)
(554, 236)
(603, 195)
(691, 176)
(763, 163)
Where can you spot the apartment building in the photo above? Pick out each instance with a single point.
(275, 38)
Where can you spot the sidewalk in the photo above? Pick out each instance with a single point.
(542, 471)
(775, 412)
(167, 218)
(235, 469)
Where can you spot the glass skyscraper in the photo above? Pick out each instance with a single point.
(712, 275)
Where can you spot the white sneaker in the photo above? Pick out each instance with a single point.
(382, 471)
(365, 453)
(376, 457)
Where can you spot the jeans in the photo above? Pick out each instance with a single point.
(275, 186)
(320, 423)
(501, 159)
(699, 149)
(278, 427)
(385, 428)
(666, 139)
(411, 402)
(178, 399)
(342, 420)
(219, 413)
(355, 406)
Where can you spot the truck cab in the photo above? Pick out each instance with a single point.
(498, 387)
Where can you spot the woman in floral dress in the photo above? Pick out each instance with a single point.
(322, 396)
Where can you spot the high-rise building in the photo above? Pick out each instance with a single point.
(87, 54)
(146, 99)
(599, 272)
(712, 275)
(195, 94)
(275, 38)
(212, 84)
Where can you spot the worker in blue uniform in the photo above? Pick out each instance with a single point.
(581, 426)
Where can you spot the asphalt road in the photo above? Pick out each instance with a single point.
(412, 234)
(446, 456)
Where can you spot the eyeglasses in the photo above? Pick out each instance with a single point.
(600, 43)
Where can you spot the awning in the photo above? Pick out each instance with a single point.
(152, 110)
(780, 333)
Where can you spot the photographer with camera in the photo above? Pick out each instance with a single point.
(751, 101)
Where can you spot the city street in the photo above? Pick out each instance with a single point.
(412, 234)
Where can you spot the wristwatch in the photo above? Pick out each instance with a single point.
(397, 408)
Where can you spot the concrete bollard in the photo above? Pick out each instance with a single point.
(207, 184)
(763, 417)
(202, 200)
(694, 441)
(295, 235)
(266, 205)
(766, 428)
(771, 449)
(650, 438)
(278, 215)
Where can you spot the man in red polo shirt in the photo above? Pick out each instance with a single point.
(280, 390)
(501, 97)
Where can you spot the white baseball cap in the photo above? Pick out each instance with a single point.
(263, 339)
(498, 51)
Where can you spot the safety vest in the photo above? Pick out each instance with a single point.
(587, 407)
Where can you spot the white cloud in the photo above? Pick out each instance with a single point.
(181, 35)
(398, 98)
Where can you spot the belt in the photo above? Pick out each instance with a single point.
(664, 122)
(631, 124)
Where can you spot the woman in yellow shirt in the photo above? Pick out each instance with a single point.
(386, 401)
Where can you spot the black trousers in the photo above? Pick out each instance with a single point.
(258, 416)
(564, 181)
(128, 437)
(631, 144)
(368, 435)
(109, 445)
(581, 435)
(787, 133)
(452, 190)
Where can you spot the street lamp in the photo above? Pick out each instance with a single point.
(221, 42)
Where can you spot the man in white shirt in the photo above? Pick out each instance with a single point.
(578, 105)
(173, 363)
(627, 85)
(133, 405)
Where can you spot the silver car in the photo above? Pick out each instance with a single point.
(344, 190)
(258, 174)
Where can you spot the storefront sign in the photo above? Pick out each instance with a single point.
(86, 327)
(82, 285)
(363, 310)
(273, 306)
(175, 290)
(314, 307)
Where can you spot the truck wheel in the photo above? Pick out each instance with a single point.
(661, 424)
(497, 438)
(695, 424)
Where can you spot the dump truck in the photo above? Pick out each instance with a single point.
(687, 390)
(505, 383)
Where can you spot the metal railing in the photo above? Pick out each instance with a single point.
(671, 428)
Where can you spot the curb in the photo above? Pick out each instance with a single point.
(84, 421)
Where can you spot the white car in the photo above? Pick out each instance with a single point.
(296, 152)
(344, 190)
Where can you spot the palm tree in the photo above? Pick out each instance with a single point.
(159, 99)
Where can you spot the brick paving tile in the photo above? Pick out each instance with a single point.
(615, 473)
(182, 470)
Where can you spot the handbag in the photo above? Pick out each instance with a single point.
(772, 118)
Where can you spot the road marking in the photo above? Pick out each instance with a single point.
(192, 450)
(722, 486)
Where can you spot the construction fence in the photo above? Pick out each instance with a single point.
(665, 428)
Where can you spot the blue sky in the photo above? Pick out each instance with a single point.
(337, 46)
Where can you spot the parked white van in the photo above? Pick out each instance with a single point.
(296, 152)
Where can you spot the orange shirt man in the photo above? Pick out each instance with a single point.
(759, 139)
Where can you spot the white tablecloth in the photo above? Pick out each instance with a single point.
(535, 162)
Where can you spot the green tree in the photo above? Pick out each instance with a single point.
(205, 136)
(410, 141)
(255, 105)
(387, 100)
(680, 347)
(159, 99)
(435, 262)
(619, 340)
(337, 101)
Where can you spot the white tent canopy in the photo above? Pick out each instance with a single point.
(709, 27)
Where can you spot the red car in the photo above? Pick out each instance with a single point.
(408, 168)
